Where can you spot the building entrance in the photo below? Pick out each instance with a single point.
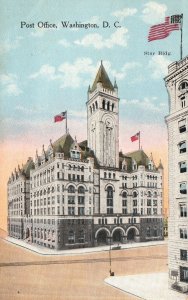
(102, 237)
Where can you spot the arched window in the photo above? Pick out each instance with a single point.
(93, 107)
(71, 189)
(124, 195)
(134, 194)
(103, 104)
(81, 190)
(108, 105)
(109, 200)
(112, 106)
(183, 85)
(96, 104)
(104, 174)
(155, 194)
(149, 194)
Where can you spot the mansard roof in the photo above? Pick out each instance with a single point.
(103, 78)
(63, 144)
(87, 152)
(29, 165)
(139, 156)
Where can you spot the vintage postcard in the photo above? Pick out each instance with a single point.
(93, 144)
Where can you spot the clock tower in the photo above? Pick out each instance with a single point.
(103, 119)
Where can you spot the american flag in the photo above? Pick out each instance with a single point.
(163, 30)
(135, 137)
(60, 117)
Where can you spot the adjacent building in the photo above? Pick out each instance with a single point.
(177, 123)
(83, 194)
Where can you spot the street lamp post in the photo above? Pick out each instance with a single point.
(110, 259)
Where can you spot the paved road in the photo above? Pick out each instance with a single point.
(29, 276)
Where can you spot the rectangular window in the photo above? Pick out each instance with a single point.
(183, 187)
(124, 211)
(183, 101)
(109, 210)
(183, 254)
(124, 202)
(71, 200)
(71, 211)
(81, 211)
(182, 147)
(184, 274)
(182, 125)
(148, 202)
(183, 166)
(109, 202)
(81, 199)
(183, 233)
(183, 210)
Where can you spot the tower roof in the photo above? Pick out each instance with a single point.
(102, 77)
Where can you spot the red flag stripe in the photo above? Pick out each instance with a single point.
(162, 30)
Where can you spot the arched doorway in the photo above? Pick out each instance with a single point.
(117, 236)
(131, 234)
(102, 237)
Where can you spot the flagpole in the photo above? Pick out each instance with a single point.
(139, 140)
(66, 121)
(181, 46)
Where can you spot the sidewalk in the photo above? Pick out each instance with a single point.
(46, 251)
(152, 286)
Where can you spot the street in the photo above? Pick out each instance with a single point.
(29, 276)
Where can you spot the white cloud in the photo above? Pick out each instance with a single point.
(9, 84)
(81, 72)
(73, 75)
(8, 45)
(30, 110)
(45, 71)
(158, 66)
(13, 89)
(64, 43)
(96, 40)
(153, 12)
(149, 104)
(78, 114)
(124, 13)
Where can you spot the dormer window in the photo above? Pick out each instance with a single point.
(75, 154)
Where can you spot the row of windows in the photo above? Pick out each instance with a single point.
(109, 175)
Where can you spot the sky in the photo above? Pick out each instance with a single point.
(45, 71)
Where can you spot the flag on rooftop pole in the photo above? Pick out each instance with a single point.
(136, 137)
(60, 117)
(163, 30)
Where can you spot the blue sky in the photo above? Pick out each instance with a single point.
(46, 71)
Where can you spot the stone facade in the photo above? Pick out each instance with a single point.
(177, 123)
(87, 194)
